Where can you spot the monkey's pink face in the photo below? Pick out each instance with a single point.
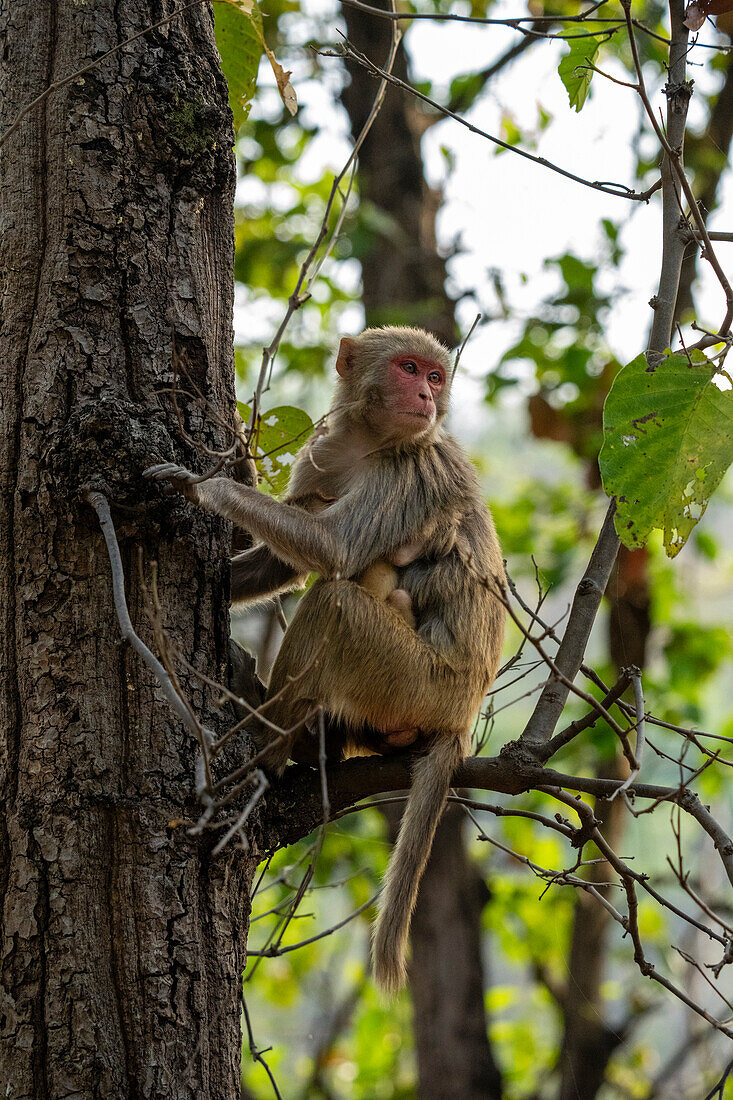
(414, 387)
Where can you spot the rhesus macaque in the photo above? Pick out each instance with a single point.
(402, 632)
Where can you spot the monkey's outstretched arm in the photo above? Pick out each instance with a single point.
(341, 541)
(298, 538)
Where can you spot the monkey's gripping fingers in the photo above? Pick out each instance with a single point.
(180, 477)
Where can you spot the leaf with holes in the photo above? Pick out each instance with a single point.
(281, 433)
(239, 41)
(245, 6)
(668, 440)
(574, 69)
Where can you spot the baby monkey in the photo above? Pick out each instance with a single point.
(382, 581)
(402, 631)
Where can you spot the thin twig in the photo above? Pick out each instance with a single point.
(619, 190)
(300, 293)
(273, 952)
(261, 785)
(674, 156)
(639, 746)
(256, 1054)
(322, 765)
(466, 338)
(586, 603)
(570, 732)
(514, 23)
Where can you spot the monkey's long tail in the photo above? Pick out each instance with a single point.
(430, 785)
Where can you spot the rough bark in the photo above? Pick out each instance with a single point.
(120, 958)
(403, 278)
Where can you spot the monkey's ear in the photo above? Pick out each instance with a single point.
(345, 358)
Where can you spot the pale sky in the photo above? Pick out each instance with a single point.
(511, 214)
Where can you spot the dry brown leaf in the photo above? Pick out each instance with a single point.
(284, 87)
(698, 10)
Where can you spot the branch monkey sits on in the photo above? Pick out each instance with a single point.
(403, 629)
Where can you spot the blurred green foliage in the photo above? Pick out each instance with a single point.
(315, 1006)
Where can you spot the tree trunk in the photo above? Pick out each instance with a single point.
(410, 288)
(446, 977)
(121, 941)
(588, 1040)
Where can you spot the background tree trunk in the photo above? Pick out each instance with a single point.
(589, 1040)
(403, 275)
(454, 1057)
(120, 941)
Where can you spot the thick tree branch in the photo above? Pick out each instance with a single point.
(589, 593)
(295, 806)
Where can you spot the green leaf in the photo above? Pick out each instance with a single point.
(240, 48)
(667, 443)
(574, 71)
(510, 133)
(280, 435)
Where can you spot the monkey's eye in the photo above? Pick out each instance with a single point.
(435, 377)
(409, 366)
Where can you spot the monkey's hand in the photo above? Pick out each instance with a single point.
(406, 555)
(179, 476)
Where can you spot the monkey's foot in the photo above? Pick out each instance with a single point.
(169, 471)
(400, 601)
(400, 739)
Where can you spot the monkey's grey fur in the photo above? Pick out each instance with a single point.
(360, 493)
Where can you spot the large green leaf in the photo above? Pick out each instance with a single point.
(668, 440)
(240, 47)
(574, 68)
(281, 433)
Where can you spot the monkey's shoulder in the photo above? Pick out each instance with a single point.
(321, 471)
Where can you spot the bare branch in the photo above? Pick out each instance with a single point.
(589, 593)
(273, 952)
(639, 704)
(301, 292)
(673, 173)
(570, 732)
(620, 190)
